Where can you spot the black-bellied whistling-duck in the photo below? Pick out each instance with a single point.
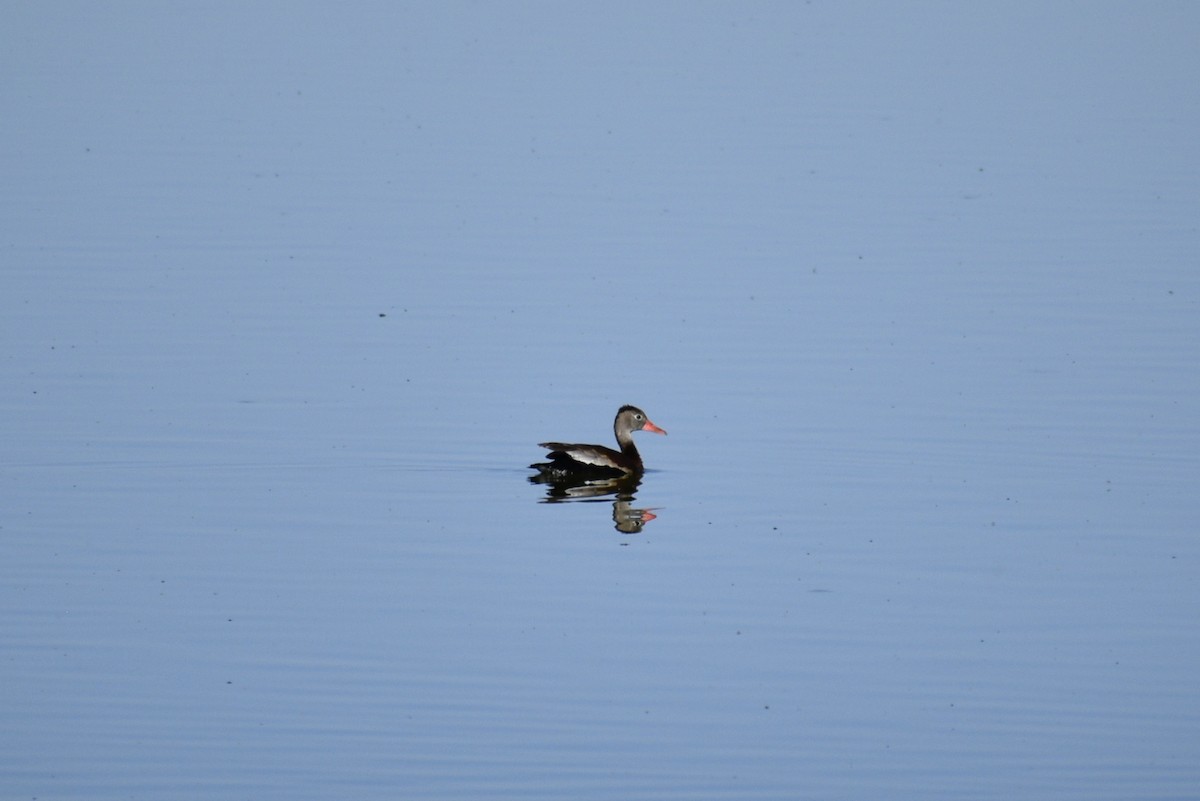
(588, 461)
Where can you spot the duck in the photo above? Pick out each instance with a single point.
(575, 461)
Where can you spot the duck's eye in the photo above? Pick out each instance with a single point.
(637, 417)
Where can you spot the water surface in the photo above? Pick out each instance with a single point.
(290, 294)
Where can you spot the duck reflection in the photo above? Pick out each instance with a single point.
(626, 519)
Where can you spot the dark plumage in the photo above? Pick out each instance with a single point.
(570, 460)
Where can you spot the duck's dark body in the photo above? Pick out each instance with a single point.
(571, 460)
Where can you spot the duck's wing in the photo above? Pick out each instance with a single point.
(587, 455)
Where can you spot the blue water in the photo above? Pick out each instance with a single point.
(290, 294)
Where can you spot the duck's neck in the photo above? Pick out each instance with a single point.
(628, 449)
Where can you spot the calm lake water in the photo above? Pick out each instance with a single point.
(290, 293)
